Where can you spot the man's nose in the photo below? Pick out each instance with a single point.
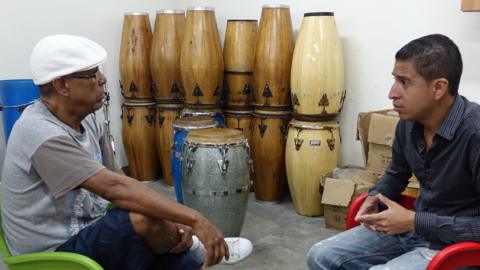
(393, 93)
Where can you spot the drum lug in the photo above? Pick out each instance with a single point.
(174, 89)
(284, 130)
(129, 118)
(262, 128)
(331, 141)
(266, 94)
(133, 88)
(160, 120)
(324, 102)
(295, 100)
(298, 143)
(223, 163)
(247, 89)
(153, 89)
(218, 91)
(121, 88)
(189, 165)
(342, 99)
(197, 92)
(150, 118)
(226, 88)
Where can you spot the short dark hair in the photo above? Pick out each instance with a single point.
(434, 56)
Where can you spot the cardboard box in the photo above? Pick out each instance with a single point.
(470, 5)
(338, 193)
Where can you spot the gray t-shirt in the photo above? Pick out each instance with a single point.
(45, 162)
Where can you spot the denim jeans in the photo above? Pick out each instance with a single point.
(360, 248)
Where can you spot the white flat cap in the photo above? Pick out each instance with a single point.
(60, 55)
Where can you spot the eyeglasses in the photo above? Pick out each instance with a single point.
(88, 74)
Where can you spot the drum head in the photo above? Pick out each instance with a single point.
(216, 136)
(314, 125)
(192, 123)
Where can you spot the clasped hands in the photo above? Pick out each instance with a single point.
(394, 220)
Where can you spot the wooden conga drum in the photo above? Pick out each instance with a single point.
(165, 56)
(273, 58)
(166, 116)
(238, 56)
(136, 80)
(317, 68)
(138, 131)
(241, 120)
(269, 133)
(201, 60)
(312, 150)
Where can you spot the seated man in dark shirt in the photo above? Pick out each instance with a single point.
(438, 140)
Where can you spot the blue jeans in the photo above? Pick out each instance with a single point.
(360, 248)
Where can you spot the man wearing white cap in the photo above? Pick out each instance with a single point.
(57, 176)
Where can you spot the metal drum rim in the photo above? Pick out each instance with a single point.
(315, 14)
(171, 11)
(243, 142)
(242, 20)
(312, 125)
(135, 13)
(275, 6)
(200, 8)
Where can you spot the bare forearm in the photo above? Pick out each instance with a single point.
(130, 194)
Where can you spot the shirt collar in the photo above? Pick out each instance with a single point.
(450, 122)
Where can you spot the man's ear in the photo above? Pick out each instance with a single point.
(440, 88)
(61, 86)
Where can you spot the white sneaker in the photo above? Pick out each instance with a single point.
(239, 248)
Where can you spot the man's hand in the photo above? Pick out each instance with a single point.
(212, 239)
(395, 220)
(186, 242)
(369, 206)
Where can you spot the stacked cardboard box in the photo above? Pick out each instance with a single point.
(376, 131)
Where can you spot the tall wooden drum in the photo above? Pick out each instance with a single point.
(165, 56)
(273, 58)
(317, 68)
(240, 120)
(138, 130)
(201, 60)
(312, 150)
(166, 116)
(269, 134)
(136, 81)
(239, 55)
(215, 176)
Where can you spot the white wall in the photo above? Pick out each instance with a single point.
(371, 31)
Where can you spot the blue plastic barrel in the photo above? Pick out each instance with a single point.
(15, 96)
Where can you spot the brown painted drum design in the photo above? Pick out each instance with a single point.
(239, 55)
(273, 58)
(136, 80)
(165, 56)
(201, 60)
(312, 150)
(138, 131)
(166, 116)
(317, 68)
(269, 133)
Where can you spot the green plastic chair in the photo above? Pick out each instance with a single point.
(45, 260)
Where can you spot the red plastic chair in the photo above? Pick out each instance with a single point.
(449, 258)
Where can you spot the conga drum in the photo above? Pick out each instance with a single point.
(136, 81)
(201, 60)
(312, 150)
(317, 69)
(273, 58)
(216, 181)
(166, 115)
(241, 120)
(269, 134)
(215, 113)
(238, 56)
(138, 131)
(165, 56)
(182, 127)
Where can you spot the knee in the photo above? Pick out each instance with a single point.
(319, 257)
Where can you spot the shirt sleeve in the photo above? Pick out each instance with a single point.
(395, 179)
(63, 165)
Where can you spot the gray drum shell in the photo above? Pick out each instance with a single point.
(226, 210)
